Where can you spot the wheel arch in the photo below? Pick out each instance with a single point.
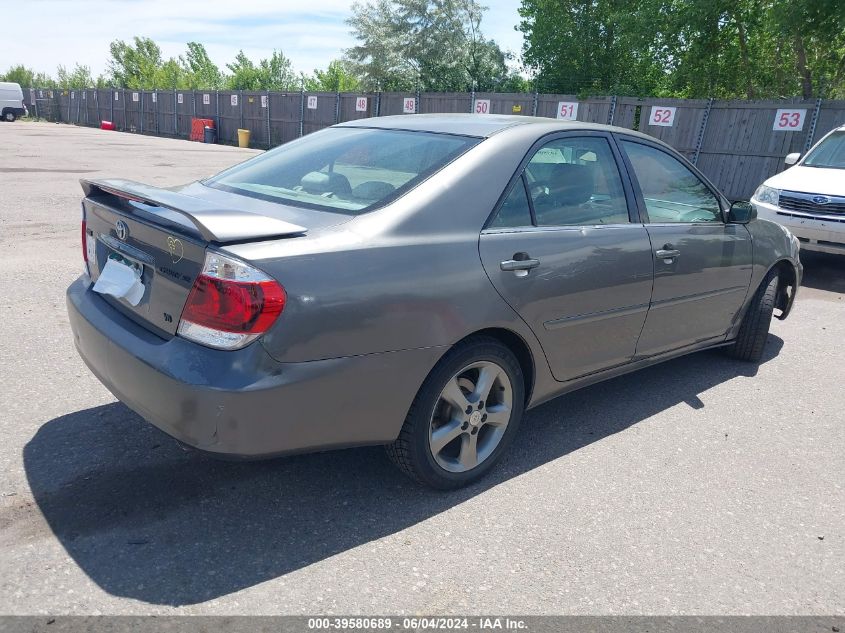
(787, 286)
(516, 344)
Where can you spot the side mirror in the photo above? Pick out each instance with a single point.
(792, 158)
(741, 213)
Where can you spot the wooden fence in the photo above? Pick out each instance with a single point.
(737, 144)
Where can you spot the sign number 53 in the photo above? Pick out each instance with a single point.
(789, 120)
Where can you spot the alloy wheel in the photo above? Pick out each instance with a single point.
(471, 416)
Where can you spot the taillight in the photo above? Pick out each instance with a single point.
(231, 304)
(85, 242)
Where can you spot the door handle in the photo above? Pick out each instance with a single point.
(519, 264)
(667, 252)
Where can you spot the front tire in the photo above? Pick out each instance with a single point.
(464, 416)
(754, 329)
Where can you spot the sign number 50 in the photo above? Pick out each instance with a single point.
(482, 106)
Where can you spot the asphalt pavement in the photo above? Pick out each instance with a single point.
(699, 486)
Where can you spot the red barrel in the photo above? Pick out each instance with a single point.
(106, 125)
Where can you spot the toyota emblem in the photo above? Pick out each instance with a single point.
(122, 230)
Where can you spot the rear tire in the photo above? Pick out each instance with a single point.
(754, 330)
(9, 116)
(464, 416)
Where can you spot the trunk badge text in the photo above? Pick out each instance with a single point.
(176, 249)
(121, 230)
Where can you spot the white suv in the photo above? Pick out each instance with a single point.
(809, 198)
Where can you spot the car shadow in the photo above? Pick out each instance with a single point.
(148, 520)
(823, 271)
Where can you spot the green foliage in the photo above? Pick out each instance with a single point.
(686, 48)
(339, 76)
(201, 71)
(79, 77)
(28, 78)
(275, 73)
(427, 44)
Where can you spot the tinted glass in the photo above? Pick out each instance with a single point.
(343, 169)
(515, 210)
(830, 153)
(576, 181)
(672, 192)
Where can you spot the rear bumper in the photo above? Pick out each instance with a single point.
(244, 403)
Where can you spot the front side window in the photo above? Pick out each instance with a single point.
(830, 153)
(672, 193)
(344, 169)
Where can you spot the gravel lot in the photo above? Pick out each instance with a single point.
(701, 486)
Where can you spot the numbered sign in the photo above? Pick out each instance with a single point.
(789, 120)
(206, 99)
(180, 98)
(73, 95)
(155, 97)
(663, 116)
(135, 97)
(84, 95)
(263, 101)
(116, 95)
(234, 100)
(482, 106)
(567, 110)
(312, 102)
(361, 104)
(409, 105)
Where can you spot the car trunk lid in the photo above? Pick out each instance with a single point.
(164, 235)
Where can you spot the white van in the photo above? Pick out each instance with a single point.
(11, 101)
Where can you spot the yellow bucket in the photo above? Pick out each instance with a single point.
(243, 138)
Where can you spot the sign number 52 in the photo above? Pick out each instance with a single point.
(663, 116)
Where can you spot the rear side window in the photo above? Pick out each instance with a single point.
(575, 181)
(514, 210)
(344, 169)
(672, 193)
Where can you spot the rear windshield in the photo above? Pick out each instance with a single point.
(344, 169)
(829, 153)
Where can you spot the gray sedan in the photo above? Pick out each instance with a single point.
(417, 282)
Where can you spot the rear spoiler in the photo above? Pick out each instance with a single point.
(213, 223)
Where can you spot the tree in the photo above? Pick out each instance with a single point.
(135, 66)
(28, 78)
(79, 77)
(338, 77)
(201, 71)
(275, 73)
(430, 44)
(599, 46)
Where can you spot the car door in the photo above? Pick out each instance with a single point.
(564, 250)
(702, 266)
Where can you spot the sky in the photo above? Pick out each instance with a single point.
(44, 33)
